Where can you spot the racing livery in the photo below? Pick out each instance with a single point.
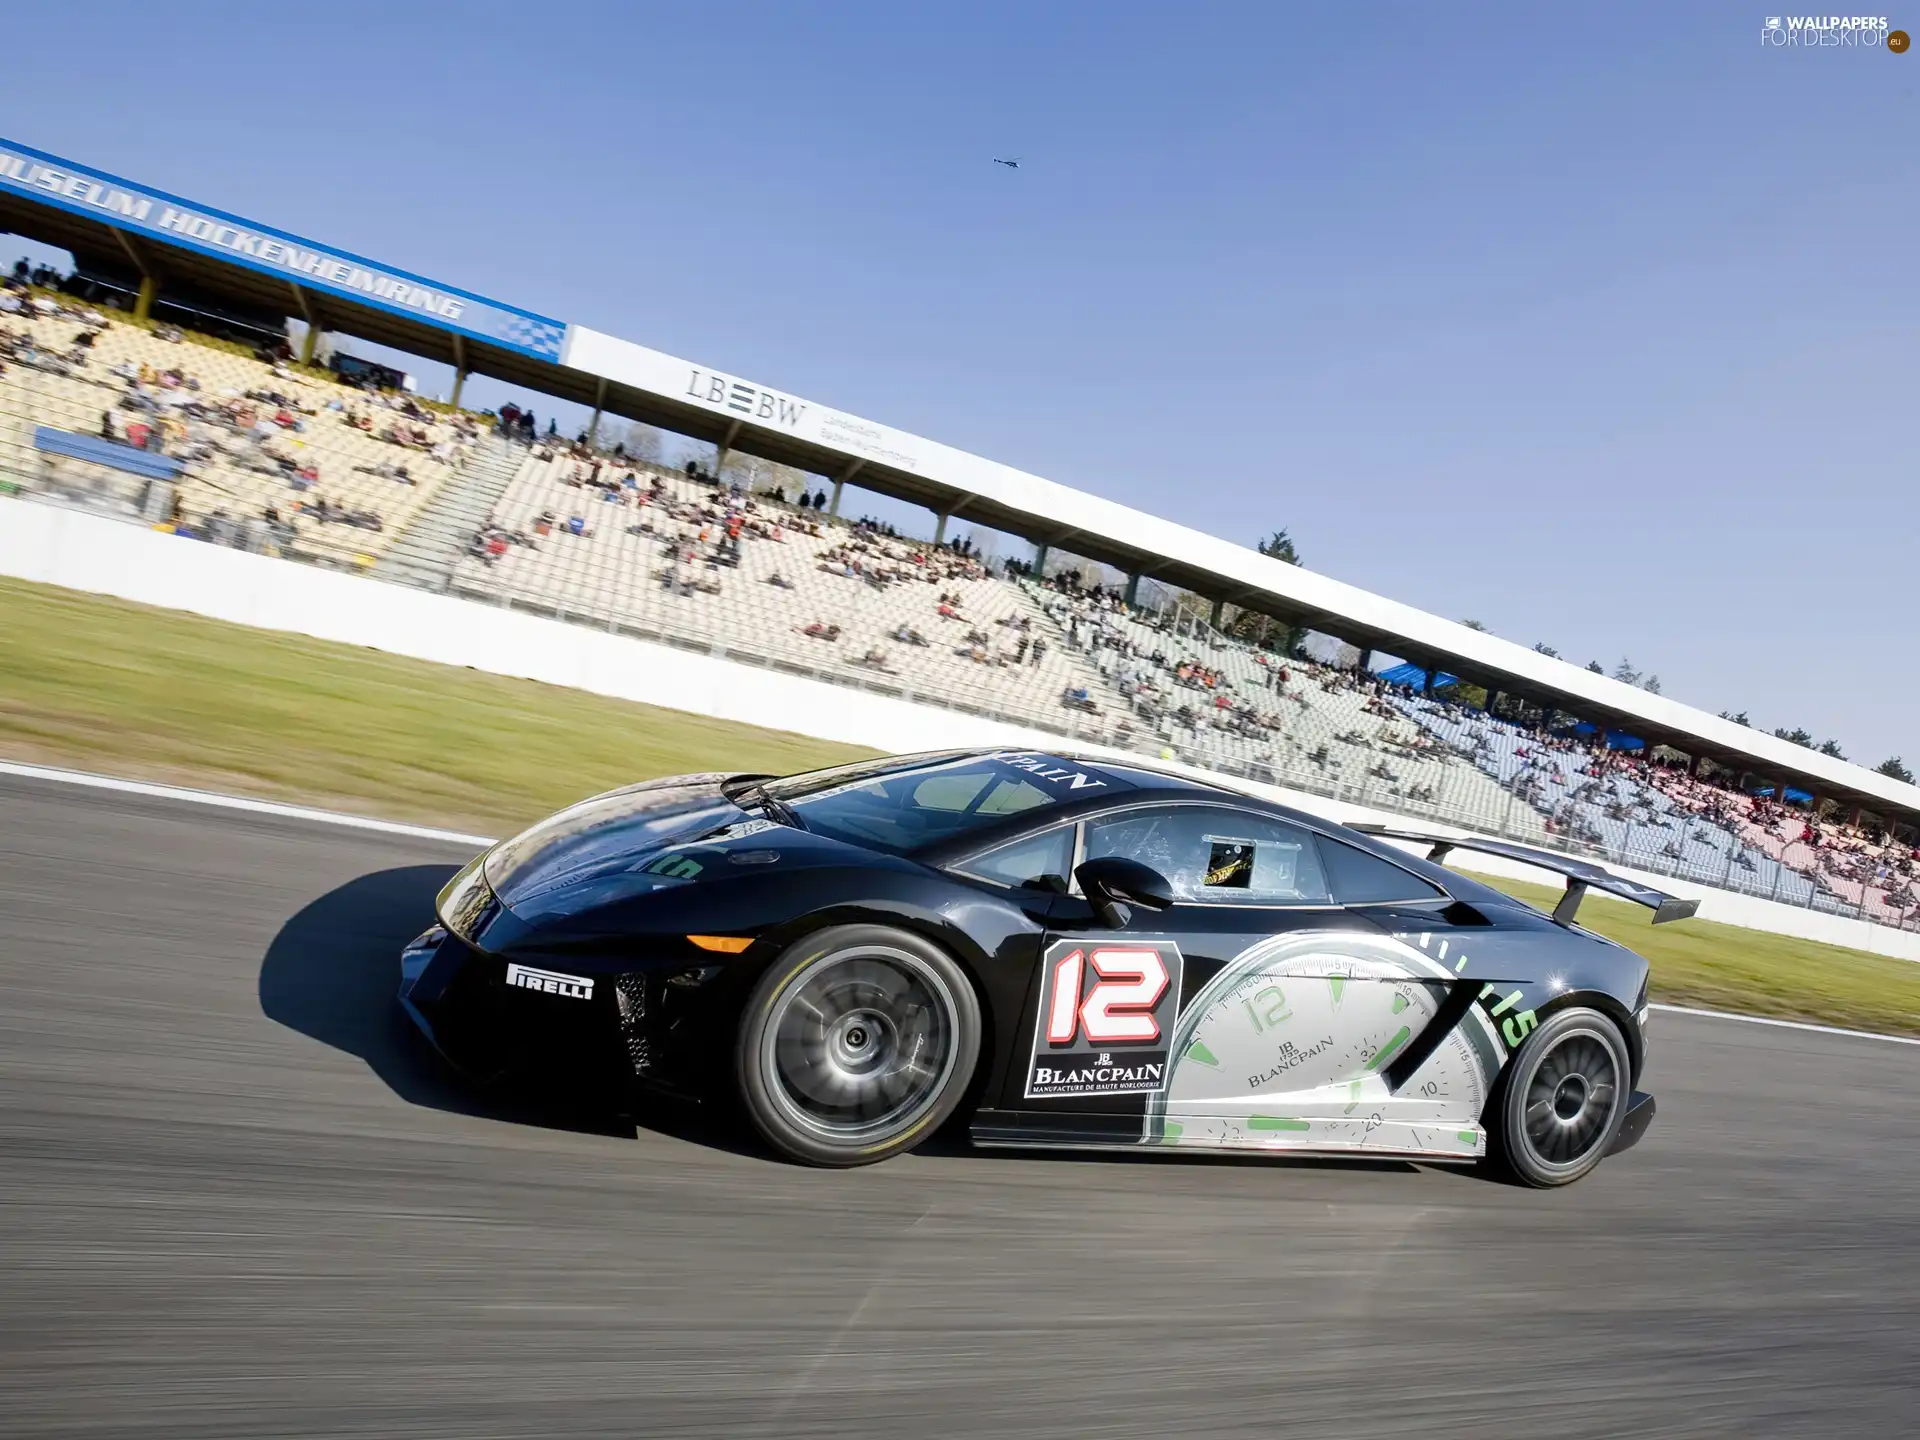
(1051, 950)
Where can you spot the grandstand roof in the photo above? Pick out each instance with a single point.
(110, 221)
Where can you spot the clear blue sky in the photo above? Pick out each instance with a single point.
(1597, 325)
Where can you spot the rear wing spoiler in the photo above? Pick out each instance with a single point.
(1582, 875)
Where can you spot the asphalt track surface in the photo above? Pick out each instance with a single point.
(236, 1199)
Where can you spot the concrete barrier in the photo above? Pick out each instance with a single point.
(86, 552)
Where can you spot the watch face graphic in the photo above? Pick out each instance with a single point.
(1290, 1045)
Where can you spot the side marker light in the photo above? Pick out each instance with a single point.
(724, 944)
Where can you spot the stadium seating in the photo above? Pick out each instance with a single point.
(1663, 819)
(653, 552)
(1223, 703)
(1228, 705)
(274, 457)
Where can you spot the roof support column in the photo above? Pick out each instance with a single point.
(1040, 559)
(1133, 590)
(307, 342)
(149, 280)
(1219, 609)
(1366, 658)
(722, 448)
(940, 532)
(599, 405)
(459, 369)
(833, 511)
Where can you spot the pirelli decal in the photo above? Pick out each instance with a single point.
(550, 982)
(1106, 1017)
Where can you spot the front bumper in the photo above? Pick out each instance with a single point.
(491, 1016)
(488, 1016)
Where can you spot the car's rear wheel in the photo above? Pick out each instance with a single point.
(857, 1044)
(1563, 1098)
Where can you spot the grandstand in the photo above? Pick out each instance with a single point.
(271, 457)
(109, 401)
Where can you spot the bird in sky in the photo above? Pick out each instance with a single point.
(1013, 164)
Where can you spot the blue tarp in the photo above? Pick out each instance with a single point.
(1416, 677)
(1616, 739)
(96, 451)
(1796, 797)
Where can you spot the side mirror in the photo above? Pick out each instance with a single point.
(1112, 882)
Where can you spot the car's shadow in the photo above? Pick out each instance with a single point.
(332, 971)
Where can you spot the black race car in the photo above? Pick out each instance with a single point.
(1054, 950)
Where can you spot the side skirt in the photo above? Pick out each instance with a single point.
(1016, 1131)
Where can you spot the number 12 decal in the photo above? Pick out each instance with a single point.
(1106, 1014)
(1120, 1007)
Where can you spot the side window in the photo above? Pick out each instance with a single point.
(1362, 879)
(1213, 855)
(1050, 853)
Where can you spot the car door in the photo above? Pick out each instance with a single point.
(1109, 1001)
(1254, 1011)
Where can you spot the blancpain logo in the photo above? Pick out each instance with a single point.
(550, 982)
(1046, 770)
(1106, 1076)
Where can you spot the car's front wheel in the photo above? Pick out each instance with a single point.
(856, 1044)
(1563, 1098)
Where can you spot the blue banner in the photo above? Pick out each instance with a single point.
(113, 201)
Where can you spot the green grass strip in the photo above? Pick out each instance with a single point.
(100, 684)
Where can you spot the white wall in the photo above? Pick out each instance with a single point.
(108, 557)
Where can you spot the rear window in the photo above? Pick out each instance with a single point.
(1358, 878)
(904, 810)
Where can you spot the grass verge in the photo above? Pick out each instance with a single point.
(104, 685)
(1725, 967)
(101, 684)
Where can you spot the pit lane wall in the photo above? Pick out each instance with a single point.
(92, 553)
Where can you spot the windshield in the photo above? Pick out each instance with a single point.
(901, 807)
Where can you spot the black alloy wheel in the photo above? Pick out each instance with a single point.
(857, 1044)
(1565, 1094)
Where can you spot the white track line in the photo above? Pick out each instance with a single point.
(237, 802)
(425, 832)
(1790, 1024)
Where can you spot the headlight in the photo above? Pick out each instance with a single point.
(467, 902)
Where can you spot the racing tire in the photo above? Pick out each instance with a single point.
(857, 1044)
(1562, 1098)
